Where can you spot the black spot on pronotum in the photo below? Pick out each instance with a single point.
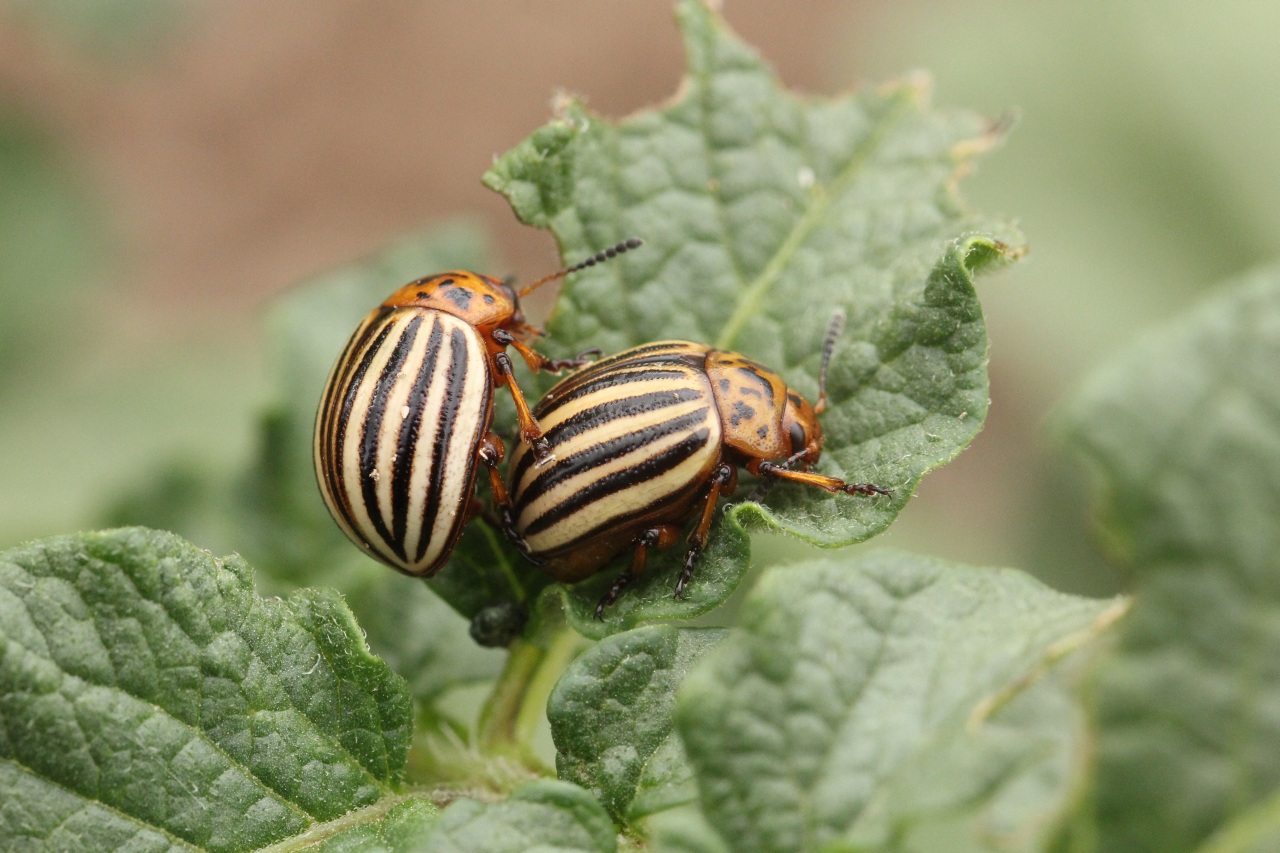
(459, 296)
(762, 432)
(488, 299)
(422, 294)
(750, 374)
(741, 412)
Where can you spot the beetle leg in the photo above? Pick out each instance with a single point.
(491, 453)
(662, 536)
(537, 361)
(762, 488)
(724, 479)
(830, 484)
(530, 432)
(555, 365)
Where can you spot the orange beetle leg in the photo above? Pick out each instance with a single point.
(830, 484)
(537, 361)
(662, 536)
(530, 432)
(723, 481)
(491, 454)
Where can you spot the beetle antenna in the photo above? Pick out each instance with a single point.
(598, 258)
(834, 328)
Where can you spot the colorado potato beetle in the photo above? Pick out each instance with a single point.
(645, 439)
(405, 415)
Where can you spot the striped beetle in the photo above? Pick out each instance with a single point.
(406, 411)
(645, 439)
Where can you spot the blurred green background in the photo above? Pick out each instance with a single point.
(167, 169)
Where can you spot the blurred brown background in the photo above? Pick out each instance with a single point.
(171, 166)
(252, 144)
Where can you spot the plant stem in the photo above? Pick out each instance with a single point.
(497, 727)
(514, 709)
(562, 647)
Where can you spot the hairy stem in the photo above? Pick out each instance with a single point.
(517, 706)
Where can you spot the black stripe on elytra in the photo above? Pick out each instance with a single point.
(371, 327)
(604, 452)
(655, 355)
(611, 369)
(455, 384)
(621, 522)
(615, 409)
(608, 411)
(639, 353)
(651, 468)
(372, 437)
(402, 468)
(339, 430)
(612, 379)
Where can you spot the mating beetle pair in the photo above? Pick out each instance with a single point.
(619, 454)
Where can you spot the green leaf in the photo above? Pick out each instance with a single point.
(1185, 430)
(612, 719)
(891, 702)
(762, 213)
(150, 700)
(545, 816)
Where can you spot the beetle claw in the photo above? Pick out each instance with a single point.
(541, 451)
(865, 489)
(619, 584)
(686, 573)
(581, 359)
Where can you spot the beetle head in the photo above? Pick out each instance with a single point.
(800, 426)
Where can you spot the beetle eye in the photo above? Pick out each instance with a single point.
(798, 439)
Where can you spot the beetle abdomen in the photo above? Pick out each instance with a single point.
(397, 434)
(633, 438)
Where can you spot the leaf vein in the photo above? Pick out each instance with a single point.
(86, 801)
(754, 293)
